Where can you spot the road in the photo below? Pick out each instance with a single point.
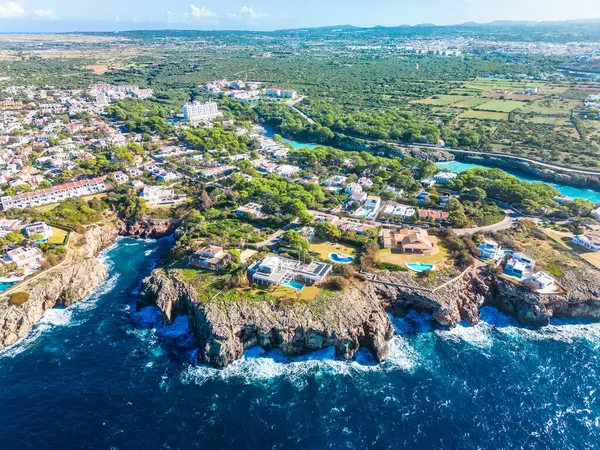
(293, 104)
(505, 224)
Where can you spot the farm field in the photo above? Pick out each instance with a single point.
(469, 102)
(483, 115)
(440, 100)
(504, 106)
(546, 120)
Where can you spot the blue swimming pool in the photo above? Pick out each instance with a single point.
(293, 284)
(420, 267)
(340, 258)
(5, 286)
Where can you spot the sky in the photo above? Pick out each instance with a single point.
(116, 15)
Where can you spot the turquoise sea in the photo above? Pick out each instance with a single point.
(457, 166)
(568, 191)
(100, 375)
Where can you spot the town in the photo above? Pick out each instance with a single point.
(294, 219)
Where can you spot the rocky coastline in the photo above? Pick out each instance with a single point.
(357, 318)
(72, 280)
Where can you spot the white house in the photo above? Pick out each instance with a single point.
(444, 177)
(520, 265)
(353, 188)
(39, 228)
(27, 258)
(161, 196)
(596, 214)
(591, 241)
(540, 281)
(491, 250)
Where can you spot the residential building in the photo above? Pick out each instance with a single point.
(286, 170)
(54, 194)
(335, 181)
(201, 112)
(250, 209)
(161, 196)
(519, 266)
(40, 228)
(596, 214)
(215, 172)
(210, 257)
(24, 258)
(416, 241)
(444, 177)
(540, 281)
(353, 188)
(591, 241)
(120, 177)
(275, 270)
(396, 210)
(369, 208)
(491, 250)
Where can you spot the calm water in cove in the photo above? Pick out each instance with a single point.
(100, 375)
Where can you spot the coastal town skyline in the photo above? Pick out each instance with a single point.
(266, 15)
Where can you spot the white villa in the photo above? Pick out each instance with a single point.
(369, 208)
(591, 241)
(519, 265)
(396, 210)
(491, 250)
(444, 177)
(596, 214)
(540, 281)
(24, 258)
(275, 270)
(161, 196)
(39, 228)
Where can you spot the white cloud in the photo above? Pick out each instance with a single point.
(195, 14)
(247, 13)
(12, 10)
(43, 13)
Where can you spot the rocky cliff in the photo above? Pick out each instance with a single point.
(223, 331)
(148, 228)
(73, 280)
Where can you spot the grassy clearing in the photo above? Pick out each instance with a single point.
(470, 102)
(58, 237)
(440, 100)
(544, 120)
(324, 249)
(504, 106)
(484, 115)
(550, 107)
(390, 256)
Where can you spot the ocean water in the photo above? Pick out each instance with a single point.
(101, 375)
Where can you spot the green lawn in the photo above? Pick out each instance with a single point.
(470, 102)
(58, 236)
(503, 106)
(483, 115)
(387, 255)
(324, 249)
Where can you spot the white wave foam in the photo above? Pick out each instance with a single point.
(478, 336)
(60, 317)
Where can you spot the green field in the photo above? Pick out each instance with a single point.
(58, 236)
(470, 102)
(545, 120)
(550, 107)
(440, 100)
(483, 115)
(504, 106)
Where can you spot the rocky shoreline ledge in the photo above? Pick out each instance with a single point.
(74, 279)
(356, 318)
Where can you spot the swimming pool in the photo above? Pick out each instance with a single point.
(341, 258)
(293, 284)
(420, 267)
